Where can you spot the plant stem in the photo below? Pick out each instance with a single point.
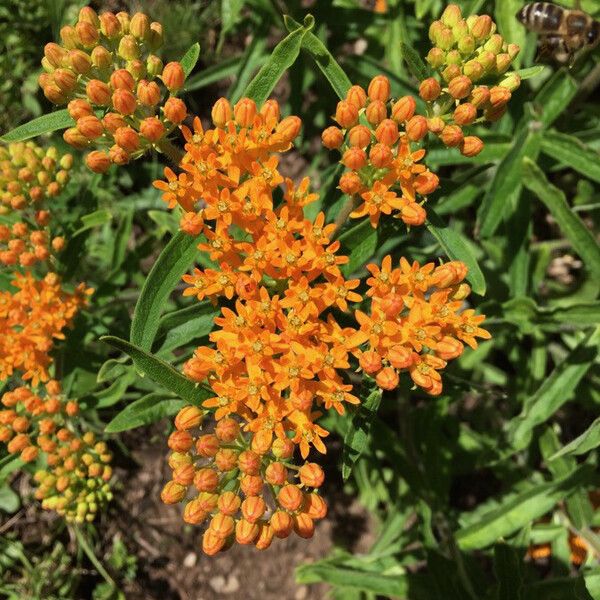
(172, 152)
(83, 543)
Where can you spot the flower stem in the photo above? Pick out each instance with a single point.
(172, 152)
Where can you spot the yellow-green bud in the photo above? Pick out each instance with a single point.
(128, 48)
(451, 15)
(466, 45)
(494, 44)
(101, 57)
(436, 57)
(155, 39)
(139, 26)
(154, 65)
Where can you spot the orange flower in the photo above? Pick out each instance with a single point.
(379, 200)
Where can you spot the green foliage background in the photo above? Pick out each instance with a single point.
(462, 485)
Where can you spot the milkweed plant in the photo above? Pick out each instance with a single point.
(317, 330)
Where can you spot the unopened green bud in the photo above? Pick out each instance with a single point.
(494, 44)
(101, 57)
(473, 70)
(466, 45)
(139, 26)
(454, 58)
(128, 48)
(154, 65)
(460, 30)
(436, 57)
(155, 39)
(451, 15)
(136, 68)
(512, 82)
(502, 63)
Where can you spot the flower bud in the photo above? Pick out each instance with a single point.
(487, 60)
(69, 37)
(246, 532)
(148, 93)
(471, 146)
(101, 57)
(112, 122)
(193, 512)
(139, 26)
(450, 72)
(155, 40)
(412, 214)
(482, 27)
(175, 110)
(451, 15)
(379, 88)
(311, 475)
(400, 357)
(124, 20)
(152, 129)
(221, 112)
(270, 112)
(121, 79)
(387, 132)
(173, 77)
(265, 536)
(435, 125)
(91, 127)
(227, 430)
(452, 135)
(289, 128)
(79, 108)
(173, 493)
(180, 441)
(65, 79)
(436, 57)
(124, 102)
(184, 474)
(494, 114)
(370, 362)
(354, 158)
(416, 128)
(474, 70)
(283, 448)
(499, 96)
(494, 44)
(290, 497)
(460, 87)
(282, 524)
(346, 114)
(109, 25)
(357, 96)
(332, 138)
(244, 112)
(430, 89)
(88, 15)
(54, 94)
(454, 58)
(387, 379)
(207, 445)
(512, 82)
(206, 480)
(128, 48)
(136, 68)
(465, 114)
(229, 503)
(54, 54)
(359, 136)
(127, 138)
(502, 63)
(444, 38)
(222, 525)
(404, 109)
(276, 474)
(253, 508)
(154, 66)
(448, 348)
(466, 45)
(350, 183)
(304, 526)
(249, 462)
(212, 543)
(75, 138)
(88, 34)
(381, 156)
(513, 50)
(98, 92)
(189, 417)
(79, 61)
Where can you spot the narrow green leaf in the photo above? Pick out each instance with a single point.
(166, 273)
(555, 390)
(190, 58)
(253, 56)
(505, 190)
(210, 75)
(59, 119)
(523, 312)
(555, 96)
(357, 435)
(360, 242)
(569, 151)
(520, 510)
(592, 583)
(95, 219)
(9, 464)
(588, 440)
(230, 14)
(530, 72)
(113, 368)
(414, 61)
(160, 372)
(144, 411)
(508, 567)
(456, 248)
(571, 225)
(281, 59)
(9, 499)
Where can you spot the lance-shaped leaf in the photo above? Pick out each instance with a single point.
(588, 440)
(160, 372)
(44, 124)
(190, 58)
(573, 153)
(144, 411)
(166, 273)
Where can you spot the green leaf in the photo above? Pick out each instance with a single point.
(587, 441)
(281, 59)
(360, 242)
(554, 391)
(166, 273)
(95, 219)
(571, 225)
(190, 58)
(555, 96)
(385, 585)
(520, 510)
(160, 372)
(510, 28)
(253, 56)
(206, 77)
(9, 464)
(508, 567)
(456, 248)
(230, 14)
(569, 151)
(414, 61)
(45, 124)
(530, 72)
(113, 368)
(144, 411)
(357, 435)
(183, 326)
(505, 189)
(592, 583)
(9, 499)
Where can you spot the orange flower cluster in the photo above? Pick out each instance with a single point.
(41, 423)
(19, 245)
(235, 477)
(30, 174)
(464, 53)
(31, 319)
(376, 139)
(415, 322)
(106, 72)
(275, 356)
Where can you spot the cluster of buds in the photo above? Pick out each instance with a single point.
(415, 322)
(20, 245)
(472, 82)
(244, 485)
(30, 174)
(376, 137)
(31, 319)
(118, 92)
(40, 424)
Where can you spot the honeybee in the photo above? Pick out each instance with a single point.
(563, 31)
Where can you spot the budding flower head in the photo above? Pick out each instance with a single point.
(175, 110)
(430, 89)
(357, 96)
(173, 76)
(332, 138)
(379, 88)
(460, 87)
(451, 15)
(221, 112)
(404, 109)
(346, 114)
(244, 112)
